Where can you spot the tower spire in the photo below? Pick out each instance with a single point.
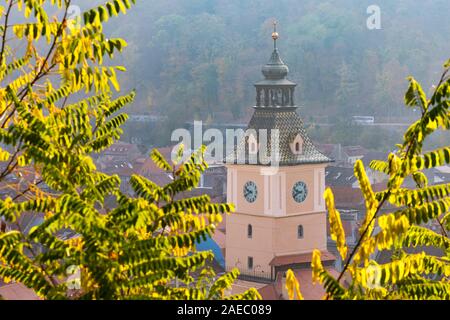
(275, 35)
(275, 91)
(275, 69)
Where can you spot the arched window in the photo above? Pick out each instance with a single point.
(249, 231)
(253, 147)
(300, 232)
(297, 145)
(252, 144)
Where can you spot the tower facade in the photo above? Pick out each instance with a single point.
(276, 179)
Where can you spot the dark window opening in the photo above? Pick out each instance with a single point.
(300, 232)
(250, 231)
(250, 263)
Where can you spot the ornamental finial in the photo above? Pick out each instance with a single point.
(275, 34)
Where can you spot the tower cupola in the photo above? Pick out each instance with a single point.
(275, 69)
(275, 90)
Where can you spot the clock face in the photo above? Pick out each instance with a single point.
(250, 191)
(300, 192)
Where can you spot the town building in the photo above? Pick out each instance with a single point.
(343, 156)
(280, 213)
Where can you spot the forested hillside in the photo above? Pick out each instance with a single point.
(199, 58)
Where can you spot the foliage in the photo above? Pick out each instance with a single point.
(57, 108)
(343, 69)
(334, 218)
(408, 275)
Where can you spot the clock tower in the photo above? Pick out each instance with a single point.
(280, 213)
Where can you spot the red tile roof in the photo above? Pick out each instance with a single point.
(269, 292)
(17, 291)
(299, 258)
(121, 147)
(309, 290)
(353, 151)
(150, 168)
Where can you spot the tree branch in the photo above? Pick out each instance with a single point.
(5, 30)
(41, 71)
(389, 192)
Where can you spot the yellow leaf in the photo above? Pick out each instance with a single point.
(366, 187)
(4, 155)
(293, 286)
(38, 114)
(316, 265)
(336, 228)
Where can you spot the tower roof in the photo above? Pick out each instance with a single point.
(275, 69)
(289, 126)
(276, 113)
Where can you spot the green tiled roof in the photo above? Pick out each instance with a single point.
(289, 125)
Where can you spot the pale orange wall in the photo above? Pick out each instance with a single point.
(237, 258)
(307, 176)
(312, 175)
(239, 246)
(236, 232)
(274, 235)
(245, 174)
(314, 234)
